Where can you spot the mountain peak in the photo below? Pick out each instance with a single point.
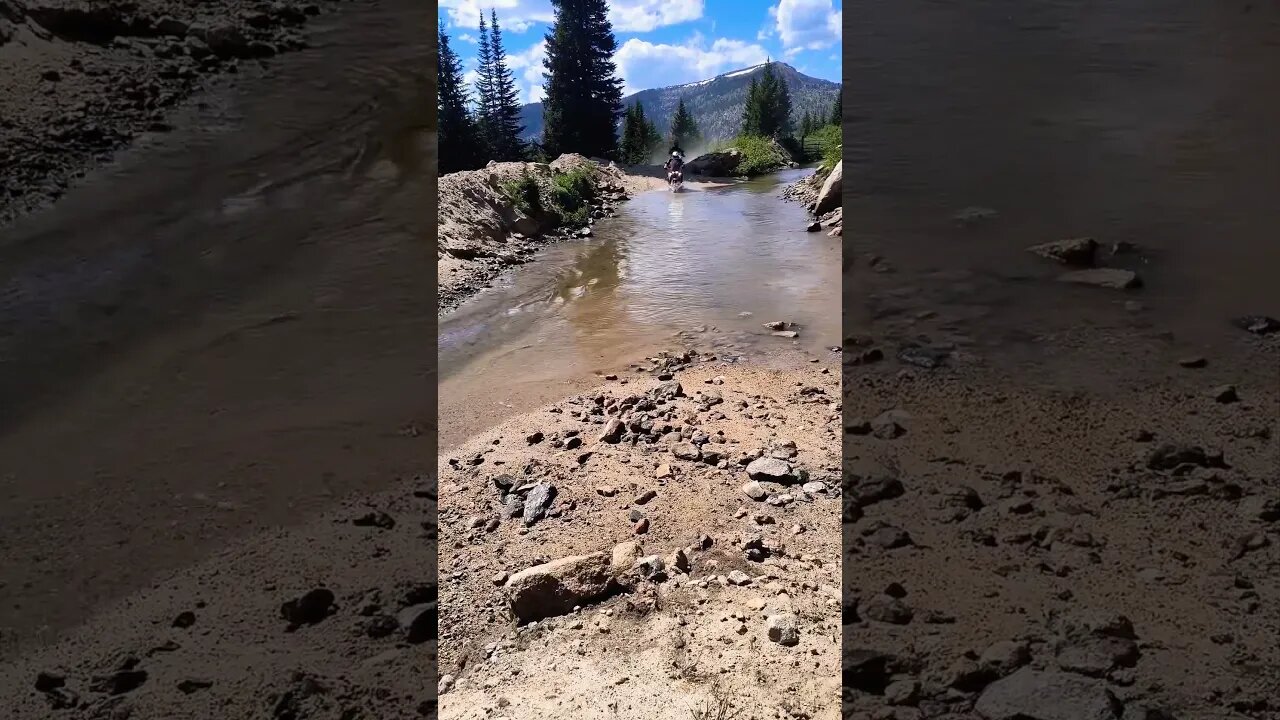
(715, 103)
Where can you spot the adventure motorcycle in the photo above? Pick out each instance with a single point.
(675, 177)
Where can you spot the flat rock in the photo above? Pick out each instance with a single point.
(1113, 278)
(1035, 695)
(1079, 252)
(768, 468)
(556, 587)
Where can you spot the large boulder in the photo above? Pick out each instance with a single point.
(557, 587)
(1034, 695)
(715, 164)
(830, 196)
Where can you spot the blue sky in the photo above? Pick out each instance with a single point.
(664, 42)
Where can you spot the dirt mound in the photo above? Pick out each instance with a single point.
(83, 79)
(715, 489)
(495, 218)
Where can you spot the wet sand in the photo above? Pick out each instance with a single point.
(213, 336)
(1055, 556)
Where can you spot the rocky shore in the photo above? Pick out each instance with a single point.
(821, 194)
(84, 79)
(666, 546)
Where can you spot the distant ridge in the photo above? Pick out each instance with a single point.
(716, 103)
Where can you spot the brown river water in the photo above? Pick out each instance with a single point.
(702, 268)
(1150, 122)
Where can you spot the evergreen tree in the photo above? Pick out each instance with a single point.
(504, 121)
(484, 88)
(458, 136)
(768, 109)
(583, 97)
(752, 114)
(684, 130)
(837, 115)
(777, 105)
(640, 137)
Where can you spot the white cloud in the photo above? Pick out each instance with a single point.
(514, 16)
(807, 24)
(648, 15)
(468, 38)
(644, 65)
(527, 67)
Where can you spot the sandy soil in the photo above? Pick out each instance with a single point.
(696, 641)
(83, 79)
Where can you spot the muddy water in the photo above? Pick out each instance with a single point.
(1136, 121)
(700, 268)
(222, 331)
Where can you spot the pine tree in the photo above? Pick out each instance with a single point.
(504, 120)
(583, 96)
(684, 130)
(837, 115)
(752, 111)
(640, 137)
(458, 136)
(768, 109)
(779, 105)
(484, 89)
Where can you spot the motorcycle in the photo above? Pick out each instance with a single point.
(675, 179)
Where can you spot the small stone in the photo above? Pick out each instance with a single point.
(768, 468)
(784, 629)
(1194, 363)
(686, 451)
(606, 491)
(612, 431)
(755, 490)
(663, 471)
(184, 620)
(886, 609)
(737, 577)
(310, 608)
(1225, 394)
(646, 496)
(1104, 277)
(902, 692)
(641, 527)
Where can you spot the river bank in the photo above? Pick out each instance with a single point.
(84, 80)
(161, 325)
(486, 227)
(1088, 472)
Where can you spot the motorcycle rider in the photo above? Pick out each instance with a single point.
(674, 164)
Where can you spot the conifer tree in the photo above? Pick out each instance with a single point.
(684, 130)
(484, 87)
(458, 136)
(583, 95)
(499, 100)
(837, 115)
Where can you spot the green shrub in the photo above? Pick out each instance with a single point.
(829, 139)
(525, 194)
(571, 195)
(759, 156)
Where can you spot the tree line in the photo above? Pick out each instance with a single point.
(583, 100)
(583, 93)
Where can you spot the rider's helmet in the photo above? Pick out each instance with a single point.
(675, 153)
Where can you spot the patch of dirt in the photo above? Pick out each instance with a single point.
(672, 647)
(1120, 548)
